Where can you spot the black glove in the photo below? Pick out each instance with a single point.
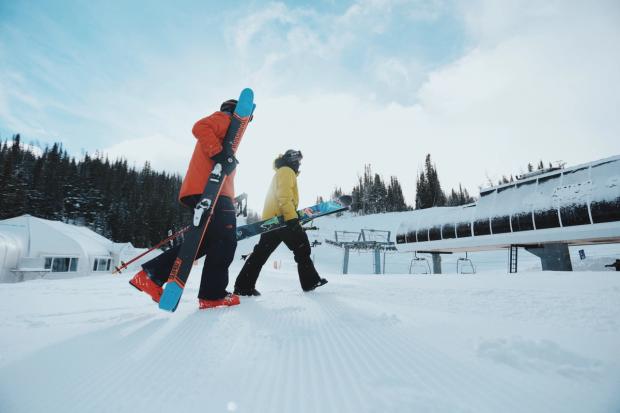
(227, 160)
(294, 225)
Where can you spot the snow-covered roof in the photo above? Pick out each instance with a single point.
(122, 247)
(556, 202)
(54, 237)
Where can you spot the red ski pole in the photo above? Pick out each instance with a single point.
(126, 264)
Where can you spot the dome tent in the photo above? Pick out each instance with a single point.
(33, 247)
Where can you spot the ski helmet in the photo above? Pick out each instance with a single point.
(228, 106)
(292, 155)
(290, 158)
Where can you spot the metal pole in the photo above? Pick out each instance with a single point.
(384, 252)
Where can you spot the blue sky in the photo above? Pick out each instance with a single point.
(66, 60)
(369, 81)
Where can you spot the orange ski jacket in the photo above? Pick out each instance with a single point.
(209, 133)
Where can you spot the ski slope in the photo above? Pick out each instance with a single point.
(535, 342)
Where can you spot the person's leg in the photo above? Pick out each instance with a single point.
(158, 269)
(155, 272)
(246, 280)
(297, 241)
(220, 245)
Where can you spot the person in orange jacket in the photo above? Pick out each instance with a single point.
(282, 199)
(220, 240)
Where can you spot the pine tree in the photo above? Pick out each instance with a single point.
(396, 200)
(371, 195)
(378, 195)
(367, 189)
(337, 193)
(116, 201)
(356, 195)
(459, 198)
(428, 189)
(421, 189)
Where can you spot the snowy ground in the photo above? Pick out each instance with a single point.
(490, 342)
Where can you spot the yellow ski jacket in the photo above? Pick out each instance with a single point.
(283, 197)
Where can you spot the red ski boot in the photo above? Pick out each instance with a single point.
(230, 299)
(143, 283)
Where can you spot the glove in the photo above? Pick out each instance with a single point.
(227, 160)
(294, 225)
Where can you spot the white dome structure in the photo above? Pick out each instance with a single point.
(33, 248)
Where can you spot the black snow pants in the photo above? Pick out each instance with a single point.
(296, 241)
(219, 245)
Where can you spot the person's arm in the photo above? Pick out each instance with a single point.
(284, 192)
(208, 131)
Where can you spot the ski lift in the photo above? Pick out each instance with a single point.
(241, 204)
(419, 265)
(465, 265)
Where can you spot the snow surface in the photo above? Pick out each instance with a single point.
(490, 342)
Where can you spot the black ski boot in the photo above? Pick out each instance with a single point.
(321, 282)
(248, 292)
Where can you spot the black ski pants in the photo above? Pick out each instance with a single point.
(296, 241)
(219, 245)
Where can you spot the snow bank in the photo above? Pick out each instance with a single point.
(535, 342)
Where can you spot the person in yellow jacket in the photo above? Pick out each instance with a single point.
(282, 199)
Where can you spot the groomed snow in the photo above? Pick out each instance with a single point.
(490, 342)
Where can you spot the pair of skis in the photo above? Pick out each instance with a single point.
(203, 211)
(305, 215)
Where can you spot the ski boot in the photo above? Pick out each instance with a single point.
(322, 281)
(248, 292)
(142, 282)
(227, 301)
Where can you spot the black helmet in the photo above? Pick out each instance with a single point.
(228, 106)
(290, 158)
(292, 155)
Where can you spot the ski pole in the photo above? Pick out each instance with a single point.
(171, 237)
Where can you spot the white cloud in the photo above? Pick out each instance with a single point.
(251, 25)
(297, 48)
(550, 92)
(163, 153)
(537, 82)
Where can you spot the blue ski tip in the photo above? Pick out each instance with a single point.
(245, 106)
(170, 298)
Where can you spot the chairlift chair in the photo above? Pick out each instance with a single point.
(419, 265)
(464, 265)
